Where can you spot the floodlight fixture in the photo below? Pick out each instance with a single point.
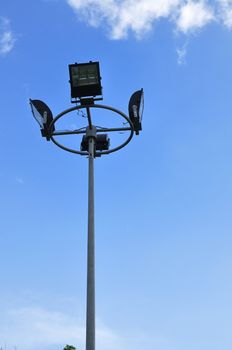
(102, 142)
(136, 105)
(85, 80)
(43, 115)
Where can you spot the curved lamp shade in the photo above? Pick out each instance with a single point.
(43, 115)
(136, 105)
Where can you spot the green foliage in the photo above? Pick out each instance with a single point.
(69, 347)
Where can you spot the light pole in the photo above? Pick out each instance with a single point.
(86, 88)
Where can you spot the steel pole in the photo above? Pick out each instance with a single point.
(90, 312)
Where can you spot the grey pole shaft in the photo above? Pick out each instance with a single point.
(90, 314)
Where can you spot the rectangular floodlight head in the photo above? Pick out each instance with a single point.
(85, 79)
(43, 115)
(102, 143)
(136, 105)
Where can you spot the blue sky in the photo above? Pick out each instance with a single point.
(163, 204)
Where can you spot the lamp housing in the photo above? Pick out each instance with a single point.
(135, 107)
(43, 115)
(102, 143)
(85, 80)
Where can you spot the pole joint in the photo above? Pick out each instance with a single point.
(91, 136)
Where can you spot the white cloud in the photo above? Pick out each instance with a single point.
(7, 39)
(139, 16)
(225, 12)
(194, 15)
(121, 17)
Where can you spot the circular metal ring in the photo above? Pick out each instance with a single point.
(131, 129)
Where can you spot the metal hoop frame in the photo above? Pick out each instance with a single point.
(99, 130)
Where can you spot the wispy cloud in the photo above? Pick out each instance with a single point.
(35, 328)
(121, 17)
(226, 12)
(7, 38)
(182, 53)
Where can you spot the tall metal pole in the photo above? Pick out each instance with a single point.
(90, 314)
